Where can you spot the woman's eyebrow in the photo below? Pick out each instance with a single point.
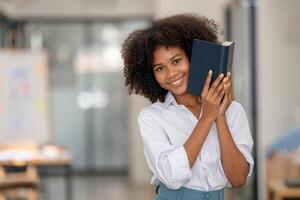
(158, 64)
(175, 56)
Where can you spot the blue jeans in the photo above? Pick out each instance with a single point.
(184, 193)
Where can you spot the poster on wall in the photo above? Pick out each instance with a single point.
(24, 112)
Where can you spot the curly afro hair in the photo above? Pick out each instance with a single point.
(174, 31)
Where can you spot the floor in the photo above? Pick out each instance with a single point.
(114, 187)
(95, 187)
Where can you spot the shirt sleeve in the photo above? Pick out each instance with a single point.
(242, 135)
(169, 163)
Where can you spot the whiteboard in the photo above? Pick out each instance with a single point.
(24, 114)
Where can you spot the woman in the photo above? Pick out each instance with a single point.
(194, 146)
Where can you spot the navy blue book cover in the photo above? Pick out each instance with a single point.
(205, 56)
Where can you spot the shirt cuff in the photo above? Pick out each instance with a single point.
(247, 154)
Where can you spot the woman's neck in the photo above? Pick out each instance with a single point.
(188, 100)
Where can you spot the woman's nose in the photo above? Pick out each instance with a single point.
(171, 73)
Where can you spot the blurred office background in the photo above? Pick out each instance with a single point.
(75, 78)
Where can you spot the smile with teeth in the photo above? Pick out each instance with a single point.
(177, 82)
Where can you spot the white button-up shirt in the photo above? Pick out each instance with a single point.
(165, 127)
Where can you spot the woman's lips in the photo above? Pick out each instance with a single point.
(177, 82)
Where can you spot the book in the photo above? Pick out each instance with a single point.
(205, 56)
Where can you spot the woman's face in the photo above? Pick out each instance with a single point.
(171, 69)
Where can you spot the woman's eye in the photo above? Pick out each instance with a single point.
(176, 61)
(158, 69)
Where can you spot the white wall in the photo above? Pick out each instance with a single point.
(278, 70)
(213, 9)
(138, 170)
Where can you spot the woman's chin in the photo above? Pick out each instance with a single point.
(179, 91)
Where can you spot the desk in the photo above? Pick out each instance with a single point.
(38, 158)
(280, 168)
(281, 191)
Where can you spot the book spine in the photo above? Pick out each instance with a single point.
(230, 57)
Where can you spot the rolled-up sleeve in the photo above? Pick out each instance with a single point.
(168, 162)
(242, 135)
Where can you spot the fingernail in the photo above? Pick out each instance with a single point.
(221, 75)
(210, 71)
(228, 73)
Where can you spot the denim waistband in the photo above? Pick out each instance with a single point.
(184, 193)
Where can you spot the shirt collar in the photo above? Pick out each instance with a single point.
(170, 99)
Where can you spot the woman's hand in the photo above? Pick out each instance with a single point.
(211, 97)
(228, 98)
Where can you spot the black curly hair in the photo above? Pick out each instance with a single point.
(174, 31)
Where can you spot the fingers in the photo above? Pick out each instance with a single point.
(207, 82)
(224, 93)
(220, 88)
(215, 84)
(230, 94)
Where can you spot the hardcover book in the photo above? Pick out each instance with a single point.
(205, 56)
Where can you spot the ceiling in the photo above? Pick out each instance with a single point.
(24, 9)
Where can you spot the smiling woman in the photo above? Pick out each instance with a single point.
(138, 50)
(171, 67)
(195, 146)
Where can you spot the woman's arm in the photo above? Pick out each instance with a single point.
(195, 142)
(234, 164)
(211, 98)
